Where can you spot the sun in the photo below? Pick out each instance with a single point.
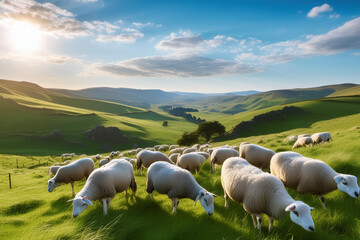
(25, 37)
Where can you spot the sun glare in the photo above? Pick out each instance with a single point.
(25, 37)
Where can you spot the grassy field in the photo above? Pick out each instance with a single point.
(29, 211)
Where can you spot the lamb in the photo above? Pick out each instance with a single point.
(71, 173)
(176, 150)
(146, 158)
(174, 157)
(204, 154)
(53, 170)
(103, 162)
(177, 183)
(261, 192)
(173, 147)
(256, 155)
(191, 161)
(303, 141)
(189, 150)
(103, 184)
(219, 155)
(308, 175)
(321, 137)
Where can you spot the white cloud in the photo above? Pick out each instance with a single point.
(334, 15)
(120, 38)
(40, 56)
(315, 11)
(174, 66)
(87, 0)
(140, 25)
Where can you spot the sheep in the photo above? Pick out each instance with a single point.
(149, 149)
(173, 147)
(156, 147)
(162, 149)
(177, 183)
(174, 157)
(176, 150)
(189, 150)
(145, 158)
(291, 138)
(204, 154)
(164, 146)
(308, 175)
(103, 184)
(256, 155)
(191, 161)
(303, 141)
(67, 155)
(196, 146)
(261, 192)
(321, 137)
(204, 147)
(138, 150)
(219, 155)
(303, 135)
(103, 162)
(53, 170)
(71, 173)
(235, 148)
(97, 156)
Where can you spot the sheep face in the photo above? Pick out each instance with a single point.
(206, 201)
(300, 214)
(79, 205)
(52, 185)
(347, 184)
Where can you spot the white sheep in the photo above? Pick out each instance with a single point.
(219, 155)
(291, 138)
(176, 150)
(196, 146)
(191, 161)
(138, 150)
(145, 158)
(53, 170)
(173, 147)
(261, 192)
(303, 141)
(174, 157)
(204, 154)
(303, 135)
(177, 183)
(156, 147)
(235, 148)
(256, 155)
(71, 173)
(103, 162)
(204, 147)
(308, 175)
(321, 137)
(162, 148)
(97, 156)
(103, 184)
(150, 149)
(189, 150)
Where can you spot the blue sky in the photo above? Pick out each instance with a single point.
(194, 46)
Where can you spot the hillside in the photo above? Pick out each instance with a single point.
(352, 91)
(30, 111)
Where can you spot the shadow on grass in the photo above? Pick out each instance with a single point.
(58, 206)
(23, 207)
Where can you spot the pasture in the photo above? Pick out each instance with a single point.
(29, 211)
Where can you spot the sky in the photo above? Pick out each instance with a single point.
(192, 46)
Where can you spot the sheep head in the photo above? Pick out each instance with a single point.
(347, 184)
(206, 201)
(52, 184)
(79, 205)
(300, 214)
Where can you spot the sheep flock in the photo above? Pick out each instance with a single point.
(251, 175)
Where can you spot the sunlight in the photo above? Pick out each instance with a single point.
(25, 37)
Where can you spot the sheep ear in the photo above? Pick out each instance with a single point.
(290, 208)
(70, 200)
(338, 178)
(214, 195)
(87, 201)
(311, 208)
(201, 193)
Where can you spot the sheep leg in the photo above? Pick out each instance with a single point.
(141, 170)
(196, 172)
(253, 219)
(108, 202)
(213, 167)
(175, 202)
(151, 196)
(104, 206)
(126, 195)
(72, 186)
(259, 220)
(226, 200)
(271, 219)
(322, 199)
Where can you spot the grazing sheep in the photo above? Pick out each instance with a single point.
(138, 150)
(291, 138)
(191, 161)
(189, 150)
(173, 147)
(156, 147)
(103, 162)
(196, 146)
(210, 150)
(256, 155)
(177, 183)
(149, 149)
(53, 170)
(321, 137)
(204, 154)
(303, 141)
(235, 148)
(67, 155)
(103, 184)
(219, 155)
(165, 146)
(162, 149)
(176, 150)
(303, 135)
(261, 192)
(204, 147)
(308, 175)
(98, 156)
(71, 173)
(174, 157)
(145, 158)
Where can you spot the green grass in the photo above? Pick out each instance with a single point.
(28, 211)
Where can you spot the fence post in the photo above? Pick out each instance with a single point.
(10, 180)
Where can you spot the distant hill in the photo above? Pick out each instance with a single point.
(352, 91)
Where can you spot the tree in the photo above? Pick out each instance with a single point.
(188, 139)
(208, 129)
